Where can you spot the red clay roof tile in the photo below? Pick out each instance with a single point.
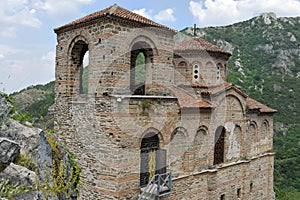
(188, 101)
(115, 11)
(196, 43)
(255, 105)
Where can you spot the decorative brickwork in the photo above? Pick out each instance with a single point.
(123, 132)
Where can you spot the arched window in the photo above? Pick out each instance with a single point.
(265, 127)
(182, 64)
(141, 57)
(219, 145)
(153, 159)
(78, 74)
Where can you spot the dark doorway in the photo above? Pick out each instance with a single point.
(219, 145)
(153, 160)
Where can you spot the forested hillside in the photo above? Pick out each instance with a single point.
(265, 62)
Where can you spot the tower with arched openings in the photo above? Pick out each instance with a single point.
(152, 113)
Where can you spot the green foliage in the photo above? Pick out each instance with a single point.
(22, 116)
(25, 161)
(7, 190)
(31, 104)
(145, 104)
(62, 180)
(140, 69)
(8, 98)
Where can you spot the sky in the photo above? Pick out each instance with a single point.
(27, 39)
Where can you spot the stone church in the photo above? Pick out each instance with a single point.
(152, 116)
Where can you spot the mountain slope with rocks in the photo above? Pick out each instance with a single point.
(31, 162)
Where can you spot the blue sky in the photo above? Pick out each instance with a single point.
(27, 40)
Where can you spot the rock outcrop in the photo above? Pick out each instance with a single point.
(9, 151)
(18, 139)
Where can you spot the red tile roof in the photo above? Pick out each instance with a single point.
(196, 43)
(115, 11)
(212, 90)
(255, 105)
(186, 100)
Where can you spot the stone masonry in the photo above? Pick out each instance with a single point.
(215, 138)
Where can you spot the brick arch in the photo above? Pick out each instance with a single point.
(229, 108)
(201, 132)
(152, 157)
(253, 137)
(145, 46)
(253, 127)
(178, 142)
(265, 126)
(76, 51)
(153, 130)
(142, 39)
(179, 130)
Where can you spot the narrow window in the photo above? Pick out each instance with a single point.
(79, 63)
(141, 59)
(140, 73)
(219, 145)
(196, 75)
(251, 187)
(85, 73)
(218, 71)
(238, 193)
(222, 197)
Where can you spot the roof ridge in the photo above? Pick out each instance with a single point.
(198, 43)
(115, 11)
(113, 8)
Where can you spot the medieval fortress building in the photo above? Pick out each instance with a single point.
(153, 115)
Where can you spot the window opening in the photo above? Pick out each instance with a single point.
(153, 159)
(222, 197)
(218, 73)
(140, 73)
(182, 64)
(85, 73)
(219, 145)
(196, 73)
(238, 192)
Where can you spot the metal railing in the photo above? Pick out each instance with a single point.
(159, 185)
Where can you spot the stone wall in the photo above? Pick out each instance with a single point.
(246, 179)
(105, 127)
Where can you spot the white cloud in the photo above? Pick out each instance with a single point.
(143, 12)
(17, 73)
(9, 31)
(7, 51)
(18, 12)
(61, 8)
(220, 12)
(49, 57)
(166, 15)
